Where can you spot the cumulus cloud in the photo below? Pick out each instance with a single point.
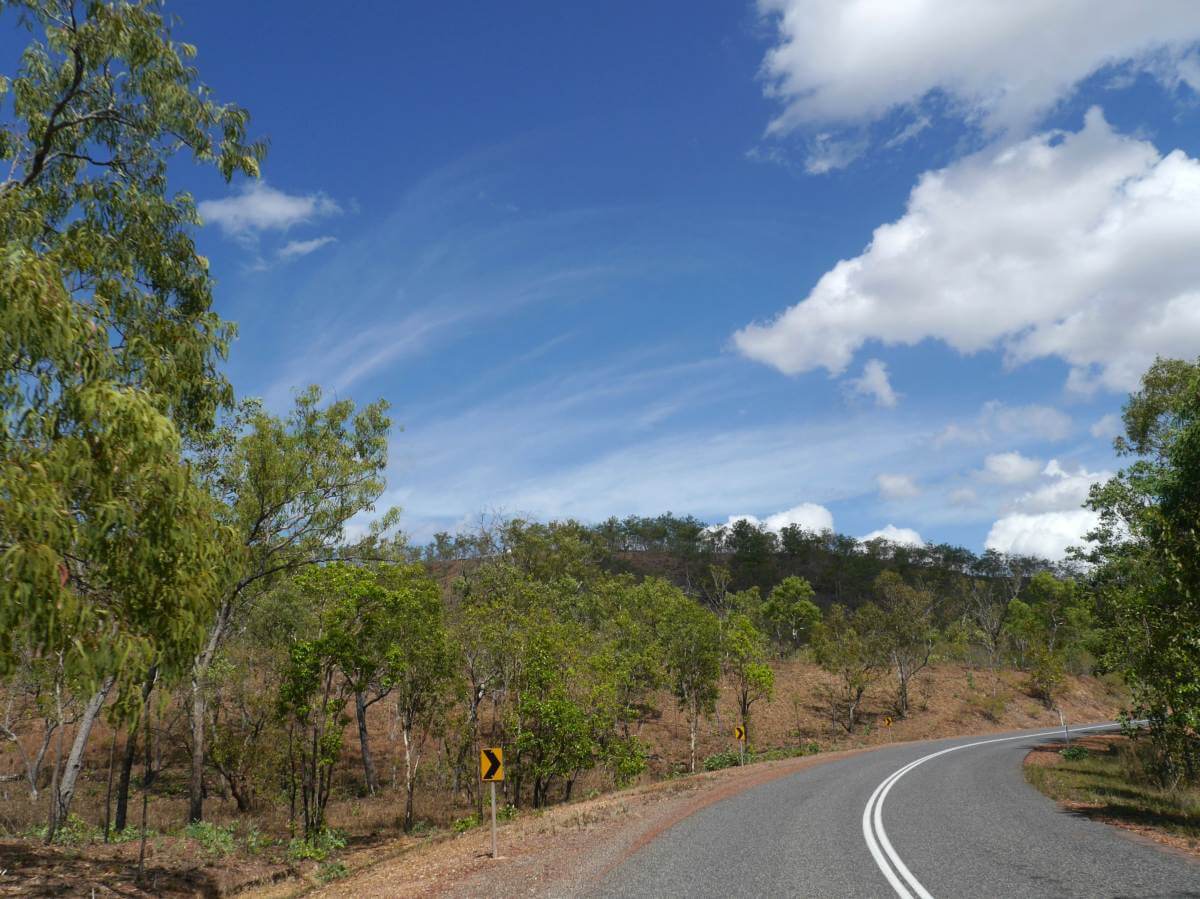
(897, 486)
(1071, 245)
(295, 248)
(1047, 535)
(996, 419)
(260, 207)
(998, 65)
(1048, 519)
(1010, 468)
(809, 516)
(874, 383)
(893, 534)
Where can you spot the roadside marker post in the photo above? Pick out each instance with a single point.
(1066, 730)
(491, 771)
(739, 734)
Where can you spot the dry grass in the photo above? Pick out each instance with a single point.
(947, 700)
(1109, 784)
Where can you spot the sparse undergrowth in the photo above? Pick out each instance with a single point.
(1106, 779)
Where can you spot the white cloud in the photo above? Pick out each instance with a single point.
(1047, 535)
(1010, 468)
(1063, 491)
(1048, 519)
(897, 486)
(963, 496)
(260, 207)
(893, 534)
(997, 419)
(296, 248)
(1078, 246)
(1107, 427)
(874, 383)
(999, 65)
(809, 516)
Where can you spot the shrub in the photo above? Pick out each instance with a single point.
(990, 707)
(719, 760)
(1073, 753)
(332, 871)
(319, 848)
(213, 838)
(462, 825)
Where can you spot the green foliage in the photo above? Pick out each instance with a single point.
(317, 847)
(789, 614)
(744, 650)
(848, 647)
(331, 871)
(108, 551)
(1073, 753)
(1146, 574)
(214, 839)
(718, 760)
(468, 822)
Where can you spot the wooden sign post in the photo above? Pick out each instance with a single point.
(491, 770)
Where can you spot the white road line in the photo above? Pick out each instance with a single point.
(902, 880)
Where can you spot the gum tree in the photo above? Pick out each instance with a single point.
(108, 550)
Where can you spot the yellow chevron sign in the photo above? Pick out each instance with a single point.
(739, 733)
(491, 764)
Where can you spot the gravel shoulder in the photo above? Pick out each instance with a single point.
(558, 852)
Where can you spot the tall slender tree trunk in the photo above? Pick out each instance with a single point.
(410, 778)
(121, 819)
(693, 726)
(372, 779)
(200, 709)
(128, 755)
(62, 796)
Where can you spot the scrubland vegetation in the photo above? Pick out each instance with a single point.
(186, 624)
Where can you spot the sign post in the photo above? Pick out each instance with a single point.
(739, 734)
(491, 770)
(1066, 730)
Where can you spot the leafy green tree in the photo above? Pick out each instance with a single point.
(1146, 558)
(110, 348)
(848, 647)
(907, 632)
(286, 488)
(691, 637)
(789, 613)
(420, 663)
(744, 650)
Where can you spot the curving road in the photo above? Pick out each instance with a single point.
(947, 818)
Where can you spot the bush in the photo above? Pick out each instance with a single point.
(332, 871)
(506, 813)
(719, 760)
(462, 825)
(213, 838)
(318, 848)
(1073, 753)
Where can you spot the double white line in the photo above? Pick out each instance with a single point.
(903, 881)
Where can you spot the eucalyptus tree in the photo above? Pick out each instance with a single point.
(691, 637)
(286, 488)
(1146, 563)
(109, 553)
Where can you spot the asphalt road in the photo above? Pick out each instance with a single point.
(961, 822)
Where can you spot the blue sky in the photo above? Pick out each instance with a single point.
(875, 265)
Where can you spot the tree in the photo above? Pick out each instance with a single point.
(110, 348)
(1146, 563)
(420, 664)
(691, 636)
(907, 631)
(744, 650)
(847, 646)
(286, 488)
(790, 614)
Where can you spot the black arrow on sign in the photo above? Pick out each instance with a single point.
(493, 764)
